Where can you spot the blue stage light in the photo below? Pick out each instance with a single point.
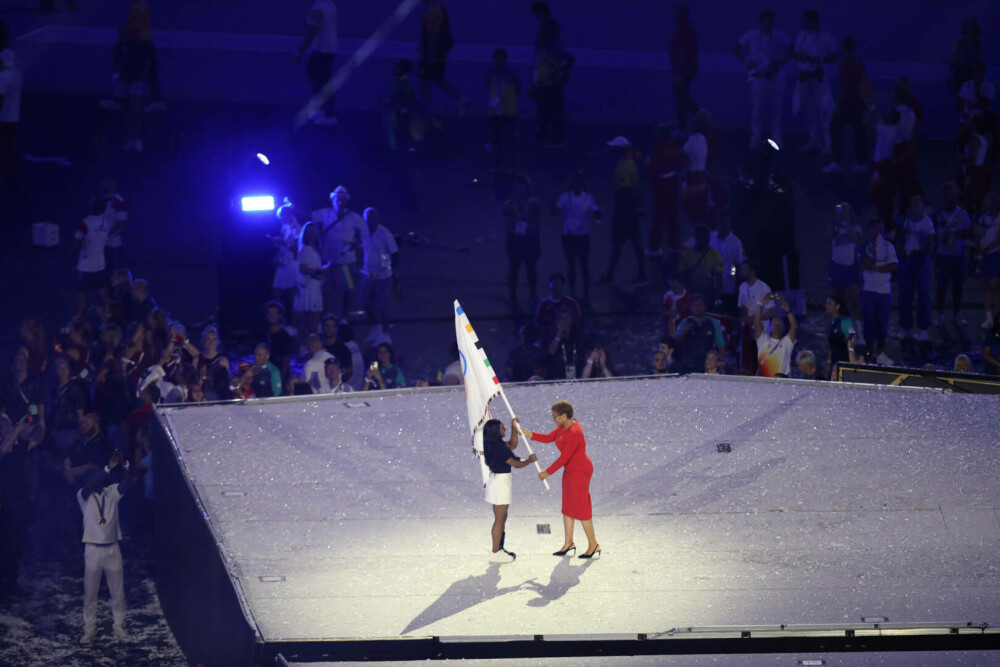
(263, 159)
(257, 203)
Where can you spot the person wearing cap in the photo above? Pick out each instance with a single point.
(343, 233)
(333, 380)
(625, 219)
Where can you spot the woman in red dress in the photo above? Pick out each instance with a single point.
(568, 437)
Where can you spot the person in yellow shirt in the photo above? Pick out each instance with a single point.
(504, 88)
(625, 222)
(702, 266)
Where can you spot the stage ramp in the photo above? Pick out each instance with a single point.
(728, 509)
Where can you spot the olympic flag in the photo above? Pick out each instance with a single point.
(482, 387)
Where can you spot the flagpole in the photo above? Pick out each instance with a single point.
(527, 440)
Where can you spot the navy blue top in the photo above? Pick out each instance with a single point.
(497, 454)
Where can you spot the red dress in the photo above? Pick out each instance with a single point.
(579, 469)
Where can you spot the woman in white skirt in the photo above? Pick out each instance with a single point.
(309, 300)
(500, 459)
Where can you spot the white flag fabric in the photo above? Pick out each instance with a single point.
(481, 383)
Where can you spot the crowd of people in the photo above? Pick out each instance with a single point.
(77, 403)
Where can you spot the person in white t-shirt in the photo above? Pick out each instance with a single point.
(10, 114)
(752, 290)
(952, 228)
(321, 36)
(764, 51)
(878, 262)
(882, 189)
(696, 197)
(731, 248)
(378, 275)
(975, 95)
(578, 209)
(98, 500)
(333, 380)
(774, 348)
(91, 236)
(750, 297)
(814, 49)
(313, 372)
(914, 238)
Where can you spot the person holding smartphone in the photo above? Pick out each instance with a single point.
(774, 348)
(383, 372)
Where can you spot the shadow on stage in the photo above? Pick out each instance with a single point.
(473, 590)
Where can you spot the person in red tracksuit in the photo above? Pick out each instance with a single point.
(576, 505)
(663, 171)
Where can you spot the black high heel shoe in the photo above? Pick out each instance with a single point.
(565, 551)
(595, 552)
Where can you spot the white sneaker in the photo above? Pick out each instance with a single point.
(988, 322)
(884, 360)
(501, 557)
(959, 321)
(119, 634)
(832, 168)
(922, 336)
(88, 637)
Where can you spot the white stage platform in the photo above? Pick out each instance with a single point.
(362, 517)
